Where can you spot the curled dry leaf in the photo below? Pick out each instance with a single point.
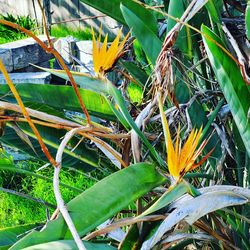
(193, 208)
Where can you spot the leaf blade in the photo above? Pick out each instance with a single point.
(234, 88)
(148, 39)
(110, 196)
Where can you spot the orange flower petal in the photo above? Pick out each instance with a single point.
(104, 57)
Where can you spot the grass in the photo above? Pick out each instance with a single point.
(15, 210)
(63, 31)
(5, 40)
(56, 31)
(135, 93)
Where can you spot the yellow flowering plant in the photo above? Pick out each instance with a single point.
(181, 160)
(105, 57)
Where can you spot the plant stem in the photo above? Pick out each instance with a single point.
(58, 196)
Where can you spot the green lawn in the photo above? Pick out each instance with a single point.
(63, 31)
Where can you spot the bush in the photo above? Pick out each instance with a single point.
(9, 34)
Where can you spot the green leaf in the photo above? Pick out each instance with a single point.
(232, 84)
(112, 9)
(123, 116)
(69, 245)
(85, 81)
(172, 194)
(98, 203)
(184, 41)
(149, 41)
(247, 20)
(214, 8)
(137, 73)
(63, 97)
(81, 158)
(10, 235)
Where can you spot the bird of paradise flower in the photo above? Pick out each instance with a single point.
(182, 160)
(105, 57)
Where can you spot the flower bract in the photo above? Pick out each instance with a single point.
(104, 57)
(182, 159)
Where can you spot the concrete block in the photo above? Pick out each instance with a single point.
(28, 77)
(84, 52)
(6, 57)
(66, 47)
(26, 51)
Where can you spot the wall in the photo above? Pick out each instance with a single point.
(61, 10)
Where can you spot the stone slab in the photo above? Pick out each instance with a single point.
(6, 57)
(25, 51)
(28, 77)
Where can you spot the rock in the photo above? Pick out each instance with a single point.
(23, 52)
(28, 77)
(6, 57)
(66, 47)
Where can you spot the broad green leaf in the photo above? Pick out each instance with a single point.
(62, 97)
(136, 72)
(214, 9)
(149, 41)
(10, 235)
(198, 118)
(69, 245)
(82, 157)
(123, 114)
(112, 9)
(184, 41)
(247, 20)
(172, 194)
(85, 81)
(232, 84)
(98, 203)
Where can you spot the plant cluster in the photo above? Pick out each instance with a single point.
(9, 34)
(171, 161)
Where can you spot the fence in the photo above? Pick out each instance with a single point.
(61, 11)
